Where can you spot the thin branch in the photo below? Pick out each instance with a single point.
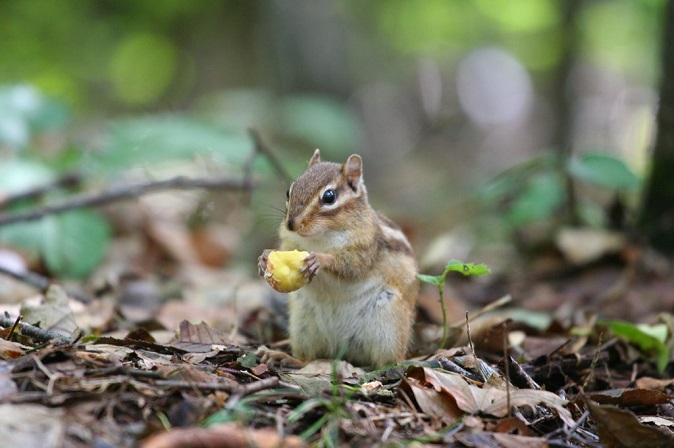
(65, 181)
(507, 366)
(122, 193)
(34, 332)
(40, 282)
(16, 324)
(180, 384)
(262, 148)
(518, 377)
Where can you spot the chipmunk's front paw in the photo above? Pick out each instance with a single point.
(262, 262)
(311, 266)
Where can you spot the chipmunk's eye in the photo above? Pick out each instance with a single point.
(288, 194)
(329, 197)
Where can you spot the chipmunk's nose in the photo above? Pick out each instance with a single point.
(290, 223)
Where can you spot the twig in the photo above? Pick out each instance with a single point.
(257, 386)
(121, 193)
(40, 282)
(179, 384)
(16, 323)
(65, 181)
(518, 376)
(594, 361)
(262, 148)
(34, 332)
(470, 339)
(507, 366)
(487, 308)
(445, 330)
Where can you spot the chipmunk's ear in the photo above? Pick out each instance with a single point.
(315, 158)
(353, 171)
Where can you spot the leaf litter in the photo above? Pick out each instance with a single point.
(154, 379)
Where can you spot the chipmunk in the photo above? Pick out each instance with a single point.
(362, 271)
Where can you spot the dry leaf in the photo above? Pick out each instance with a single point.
(654, 383)
(631, 397)
(498, 440)
(53, 313)
(316, 376)
(490, 400)
(7, 385)
(619, 428)
(10, 349)
(199, 338)
(222, 436)
(657, 421)
(31, 425)
(583, 245)
(431, 403)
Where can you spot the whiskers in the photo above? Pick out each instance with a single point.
(272, 214)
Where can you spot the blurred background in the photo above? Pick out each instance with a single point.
(472, 116)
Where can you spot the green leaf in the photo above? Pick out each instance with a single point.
(432, 279)
(24, 110)
(649, 339)
(74, 243)
(19, 175)
(605, 171)
(247, 360)
(321, 122)
(26, 235)
(542, 196)
(151, 140)
(471, 269)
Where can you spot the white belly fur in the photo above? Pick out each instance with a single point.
(328, 316)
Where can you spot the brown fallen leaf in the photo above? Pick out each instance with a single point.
(631, 397)
(221, 436)
(53, 313)
(31, 425)
(657, 421)
(433, 404)
(10, 349)
(498, 440)
(654, 383)
(618, 428)
(489, 400)
(199, 338)
(7, 385)
(316, 376)
(513, 425)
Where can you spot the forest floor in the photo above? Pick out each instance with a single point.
(577, 370)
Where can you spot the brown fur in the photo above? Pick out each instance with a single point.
(365, 262)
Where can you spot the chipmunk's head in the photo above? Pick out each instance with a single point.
(326, 197)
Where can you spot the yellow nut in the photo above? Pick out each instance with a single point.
(283, 270)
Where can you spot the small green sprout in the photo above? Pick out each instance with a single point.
(468, 269)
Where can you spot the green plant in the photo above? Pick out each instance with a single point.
(334, 410)
(651, 339)
(468, 269)
(534, 191)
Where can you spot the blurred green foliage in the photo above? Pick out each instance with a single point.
(177, 80)
(134, 53)
(534, 191)
(72, 244)
(652, 339)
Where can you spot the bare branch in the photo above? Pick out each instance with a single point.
(65, 181)
(262, 148)
(34, 332)
(122, 193)
(40, 282)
